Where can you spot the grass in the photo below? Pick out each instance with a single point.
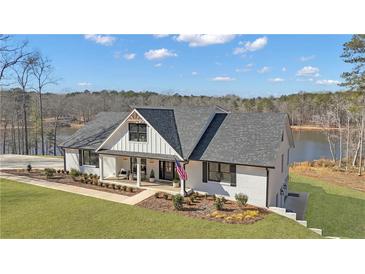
(34, 212)
(338, 210)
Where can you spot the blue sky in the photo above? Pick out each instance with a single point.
(245, 65)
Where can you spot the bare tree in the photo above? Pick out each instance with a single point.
(10, 53)
(23, 74)
(42, 71)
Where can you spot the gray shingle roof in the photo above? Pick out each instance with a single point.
(96, 131)
(181, 127)
(242, 138)
(163, 121)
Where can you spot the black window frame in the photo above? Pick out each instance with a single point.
(219, 172)
(141, 130)
(92, 158)
(282, 163)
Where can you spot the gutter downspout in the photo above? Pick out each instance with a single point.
(267, 187)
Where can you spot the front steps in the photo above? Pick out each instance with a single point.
(292, 215)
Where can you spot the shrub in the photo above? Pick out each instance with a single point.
(85, 176)
(218, 203)
(82, 181)
(58, 171)
(67, 172)
(166, 196)
(241, 199)
(124, 188)
(29, 167)
(224, 200)
(128, 189)
(74, 172)
(157, 195)
(49, 172)
(178, 201)
(62, 171)
(152, 174)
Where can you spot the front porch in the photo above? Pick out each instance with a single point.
(134, 169)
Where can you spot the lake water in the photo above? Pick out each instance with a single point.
(309, 145)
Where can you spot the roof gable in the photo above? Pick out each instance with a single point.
(163, 121)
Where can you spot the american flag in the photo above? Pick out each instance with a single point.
(181, 171)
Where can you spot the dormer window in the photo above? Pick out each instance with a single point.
(137, 132)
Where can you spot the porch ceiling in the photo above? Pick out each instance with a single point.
(138, 154)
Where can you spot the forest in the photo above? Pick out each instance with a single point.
(31, 114)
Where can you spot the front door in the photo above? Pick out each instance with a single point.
(167, 170)
(143, 167)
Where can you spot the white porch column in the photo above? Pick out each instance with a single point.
(138, 172)
(101, 167)
(182, 183)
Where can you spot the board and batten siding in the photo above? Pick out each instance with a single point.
(155, 143)
(250, 181)
(72, 161)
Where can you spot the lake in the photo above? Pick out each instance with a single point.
(309, 145)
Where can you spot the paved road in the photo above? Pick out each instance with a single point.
(13, 161)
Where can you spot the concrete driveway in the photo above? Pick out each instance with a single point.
(13, 161)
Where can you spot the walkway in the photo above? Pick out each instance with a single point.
(13, 161)
(130, 200)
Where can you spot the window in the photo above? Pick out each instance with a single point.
(282, 136)
(138, 132)
(90, 158)
(219, 172)
(282, 163)
(287, 158)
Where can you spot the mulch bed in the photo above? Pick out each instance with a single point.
(68, 180)
(203, 208)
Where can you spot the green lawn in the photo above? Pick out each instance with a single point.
(35, 212)
(339, 211)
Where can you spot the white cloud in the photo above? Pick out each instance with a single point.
(283, 69)
(129, 56)
(161, 35)
(308, 71)
(259, 43)
(263, 70)
(246, 68)
(84, 84)
(158, 65)
(307, 58)
(327, 82)
(201, 40)
(223, 78)
(105, 40)
(155, 54)
(194, 73)
(276, 80)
